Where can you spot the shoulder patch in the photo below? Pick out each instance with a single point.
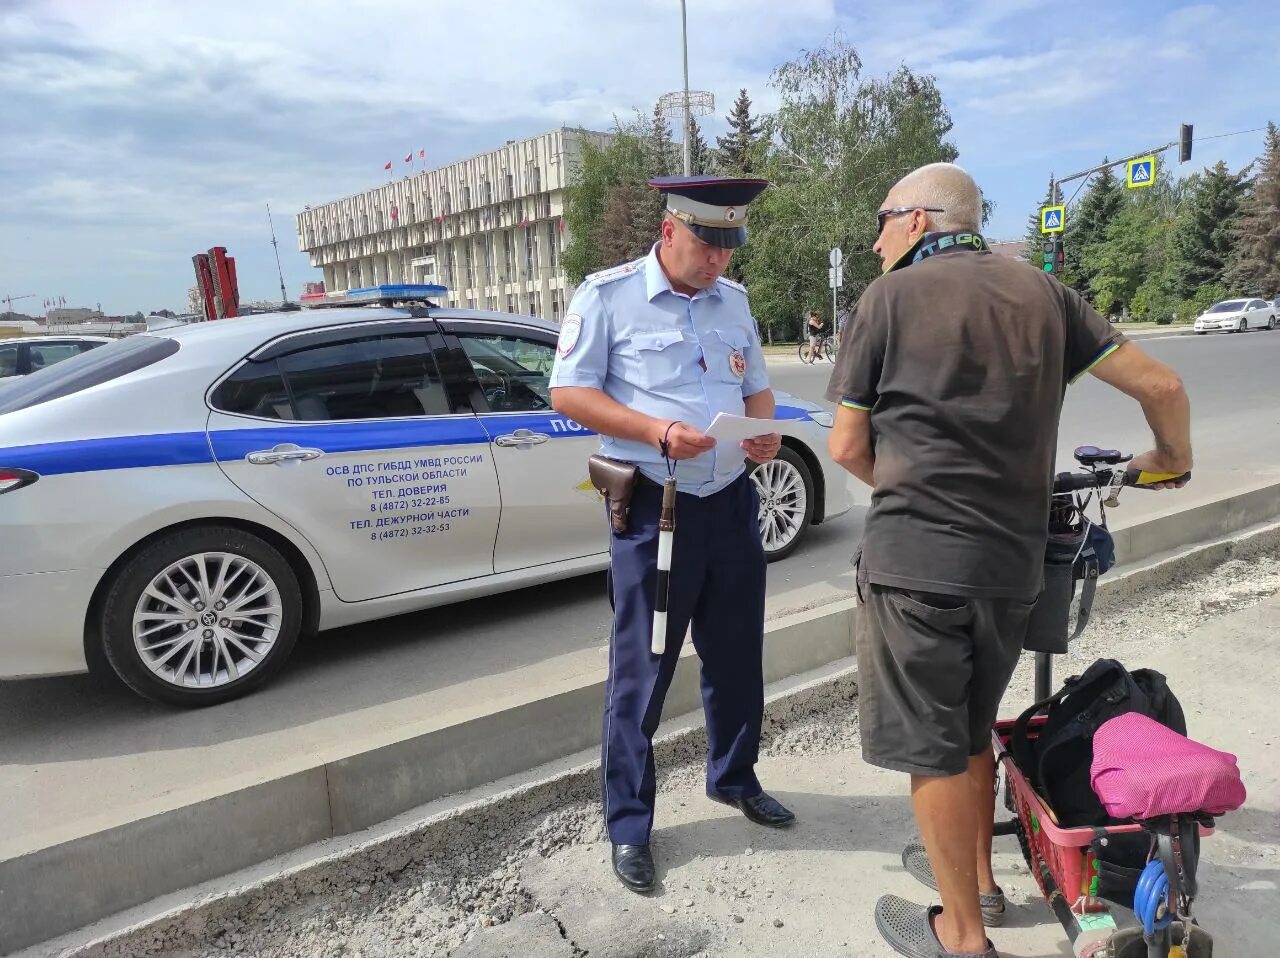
(613, 274)
(731, 284)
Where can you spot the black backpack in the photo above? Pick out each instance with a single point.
(1057, 761)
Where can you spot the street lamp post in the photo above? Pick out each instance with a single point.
(684, 47)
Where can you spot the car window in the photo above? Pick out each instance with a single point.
(1257, 304)
(513, 372)
(373, 377)
(46, 354)
(255, 389)
(1230, 306)
(93, 368)
(84, 347)
(9, 360)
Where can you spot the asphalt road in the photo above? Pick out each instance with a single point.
(79, 752)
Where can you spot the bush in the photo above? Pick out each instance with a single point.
(1164, 321)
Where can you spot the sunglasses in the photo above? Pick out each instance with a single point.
(882, 215)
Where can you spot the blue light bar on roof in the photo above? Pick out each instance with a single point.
(386, 293)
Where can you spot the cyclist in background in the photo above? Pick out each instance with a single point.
(817, 333)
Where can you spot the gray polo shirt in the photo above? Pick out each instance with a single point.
(963, 360)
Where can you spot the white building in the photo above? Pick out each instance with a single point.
(490, 228)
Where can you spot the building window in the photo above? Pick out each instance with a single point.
(507, 251)
(553, 243)
(410, 217)
(471, 269)
(511, 302)
(364, 224)
(535, 304)
(428, 211)
(466, 198)
(530, 250)
(488, 261)
(537, 180)
(446, 203)
(511, 188)
(555, 306)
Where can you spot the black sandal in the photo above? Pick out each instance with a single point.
(908, 930)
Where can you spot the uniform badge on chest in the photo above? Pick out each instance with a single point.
(737, 364)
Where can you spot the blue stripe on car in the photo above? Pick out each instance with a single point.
(193, 448)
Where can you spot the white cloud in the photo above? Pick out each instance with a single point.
(140, 132)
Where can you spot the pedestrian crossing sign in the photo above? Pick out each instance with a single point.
(1141, 172)
(1053, 219)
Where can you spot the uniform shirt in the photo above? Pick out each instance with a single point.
(671, 356)
(963, 360)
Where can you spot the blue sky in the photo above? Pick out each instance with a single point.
(135, 133)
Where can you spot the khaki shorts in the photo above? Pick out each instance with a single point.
(931, 672)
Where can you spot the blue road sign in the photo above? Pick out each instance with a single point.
(1142, 172)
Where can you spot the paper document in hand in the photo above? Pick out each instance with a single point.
(727, 428)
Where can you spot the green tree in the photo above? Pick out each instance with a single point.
(1087, 225)
(622, 165)
(663, 158)
(701, 158)
(1255, 265)
(1132, 268)
(738, 151)
(1203, 239)
(839, 142)
(1035, 240)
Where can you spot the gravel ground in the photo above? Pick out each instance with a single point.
(428, 898)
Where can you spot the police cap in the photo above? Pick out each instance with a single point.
(713, 207)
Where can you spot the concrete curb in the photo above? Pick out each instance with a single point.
(54, 890)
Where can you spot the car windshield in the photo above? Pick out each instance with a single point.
(1230, 306)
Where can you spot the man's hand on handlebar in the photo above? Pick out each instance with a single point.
(1161, 463)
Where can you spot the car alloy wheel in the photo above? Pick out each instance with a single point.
(785, 488)
(207, 620)
(201, 615)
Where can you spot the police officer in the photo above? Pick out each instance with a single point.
(649, 353)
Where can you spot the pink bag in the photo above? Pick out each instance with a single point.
(1142, 769)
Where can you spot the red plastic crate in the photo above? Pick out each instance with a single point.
(1065, 851)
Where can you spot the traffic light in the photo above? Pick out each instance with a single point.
(1054, 258)
(1184, 143)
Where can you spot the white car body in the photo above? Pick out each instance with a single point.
(376, 516)
(1238, 316)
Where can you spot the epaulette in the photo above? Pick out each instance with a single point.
(731, 284)
(614, 273)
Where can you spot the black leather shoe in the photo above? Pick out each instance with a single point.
(633, 864)
(761, 809)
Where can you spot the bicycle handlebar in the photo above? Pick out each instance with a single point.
(1067, 482)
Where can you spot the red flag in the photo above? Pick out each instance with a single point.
(409, 158)
(560, 226)
(422, 154)
(388, 166)
(394, 212)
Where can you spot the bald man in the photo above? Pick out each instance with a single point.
(949, 384)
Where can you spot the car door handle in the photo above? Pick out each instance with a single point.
(286, 452)
(522, 437)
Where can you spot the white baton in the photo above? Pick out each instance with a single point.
(666, 535)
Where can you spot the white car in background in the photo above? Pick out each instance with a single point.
(1238, 316)
(22, 357)
(178, 506)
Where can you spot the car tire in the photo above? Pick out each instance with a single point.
(1271, 323)
(1242, 326)
(1200, 332)
(243, 600)
(784, 516)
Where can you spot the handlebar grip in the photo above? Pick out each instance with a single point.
(1139, 478)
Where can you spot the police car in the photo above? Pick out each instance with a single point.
(178, 506)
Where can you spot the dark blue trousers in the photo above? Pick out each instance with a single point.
(717, 583)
